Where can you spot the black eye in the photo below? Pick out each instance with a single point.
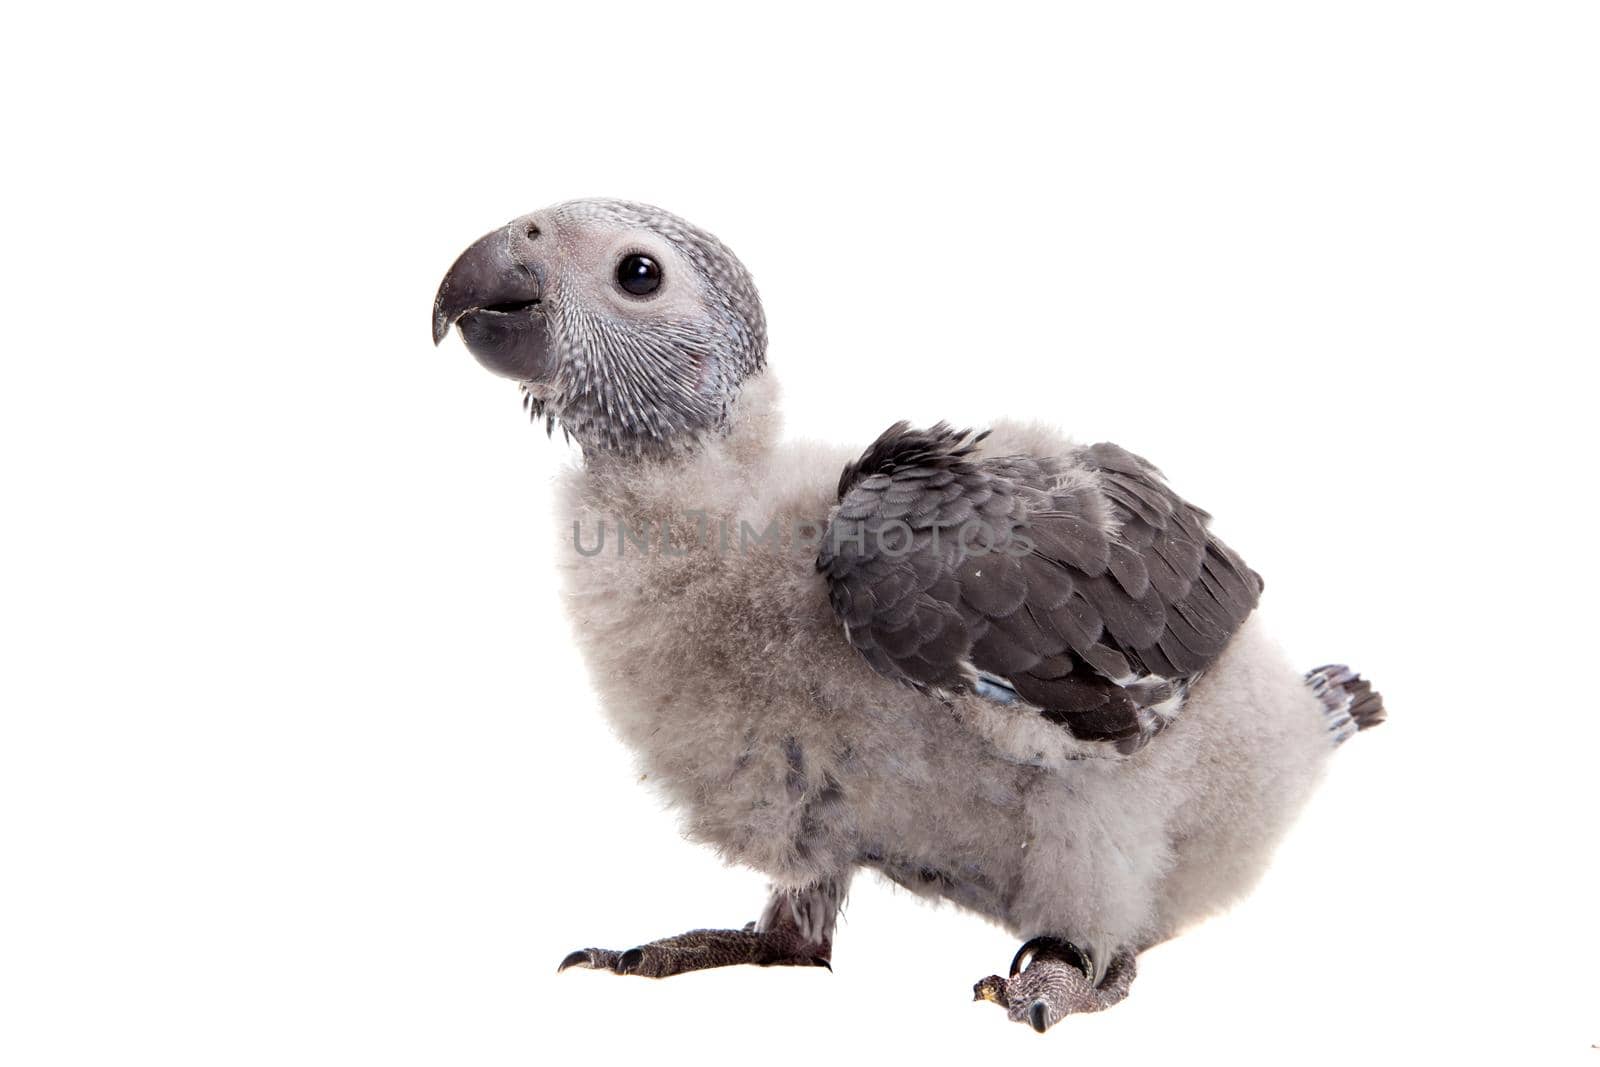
(639, 275)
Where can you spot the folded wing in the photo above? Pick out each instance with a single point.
(1079, 583)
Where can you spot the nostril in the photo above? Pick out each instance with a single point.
(533, 232)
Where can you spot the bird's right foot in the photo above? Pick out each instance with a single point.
(700, 950)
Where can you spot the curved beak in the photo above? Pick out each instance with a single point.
(494, 295)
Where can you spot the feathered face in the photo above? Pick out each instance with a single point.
(628, 325)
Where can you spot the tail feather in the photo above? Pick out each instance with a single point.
(1348, 700)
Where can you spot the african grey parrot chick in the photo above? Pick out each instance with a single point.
(1001, 669)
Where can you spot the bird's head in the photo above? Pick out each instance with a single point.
(627, 325)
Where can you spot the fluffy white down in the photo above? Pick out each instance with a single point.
(730, 677)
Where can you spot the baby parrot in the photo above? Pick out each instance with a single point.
(999, 668)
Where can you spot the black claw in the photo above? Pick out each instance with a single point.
(629, 961)
(1050, 948)
(1023, 957)
(818, 961)
(1036, 1017)
(573, 959)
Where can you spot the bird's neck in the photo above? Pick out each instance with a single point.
(711, 474)
(754, 421)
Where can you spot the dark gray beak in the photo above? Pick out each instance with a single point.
(493, 293)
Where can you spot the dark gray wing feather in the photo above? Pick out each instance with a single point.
(1097, 599)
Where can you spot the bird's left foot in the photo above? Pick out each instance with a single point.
(698, 950)
(1051, 979)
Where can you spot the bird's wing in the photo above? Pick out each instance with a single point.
(1078, 584)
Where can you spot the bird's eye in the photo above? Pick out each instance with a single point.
(639, 275)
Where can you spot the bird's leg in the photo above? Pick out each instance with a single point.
(796, 929)
(1051, 979)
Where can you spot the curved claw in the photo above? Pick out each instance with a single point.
(576, 959)
(1099, 962)
(629, 961)
(1054, 948)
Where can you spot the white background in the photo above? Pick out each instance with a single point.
(299, 764)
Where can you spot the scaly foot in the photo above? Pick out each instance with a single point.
(698, 950)
(1051, 979)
